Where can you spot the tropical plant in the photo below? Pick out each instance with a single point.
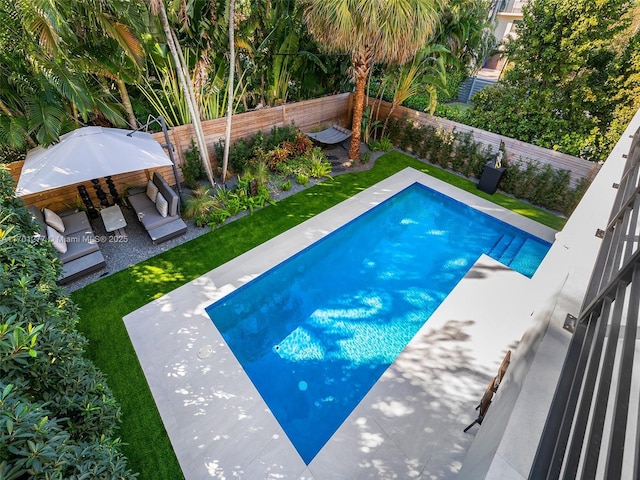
(58, 417)
(37, 89)
(426, 72)
(192, 169)
(276, 54)
(157, 8)
(199, 205)
(260, 172)
(559, 92)
(302, 179)
(285, 186)
(370, 32)
(103, 44)
(467, 33)
(382, 145)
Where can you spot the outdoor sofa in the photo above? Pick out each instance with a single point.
(158, 209)
(72, 237)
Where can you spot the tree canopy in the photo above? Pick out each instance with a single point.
(565, 72)
(369, 33)
(65, 64)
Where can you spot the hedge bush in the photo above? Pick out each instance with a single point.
(527, 179)
(58, 418)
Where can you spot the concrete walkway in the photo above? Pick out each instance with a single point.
(410, 423)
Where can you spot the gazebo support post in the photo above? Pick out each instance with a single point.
(168, 146)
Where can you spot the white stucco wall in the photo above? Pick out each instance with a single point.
(506, 443)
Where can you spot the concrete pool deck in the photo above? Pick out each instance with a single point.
(409, 425)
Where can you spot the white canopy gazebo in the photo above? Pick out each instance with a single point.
(88, 153)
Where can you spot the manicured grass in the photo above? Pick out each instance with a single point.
(104, 303)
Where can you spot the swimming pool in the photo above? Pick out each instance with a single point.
(316, 332)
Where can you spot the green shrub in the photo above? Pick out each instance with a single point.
(524, 178)
(58, 417)
(285, 186)
(382, 145)
(192, 168)
(198, 206)
(302, 179)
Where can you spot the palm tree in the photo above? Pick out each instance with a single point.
(384, 31)
(157, 8)
(232, 62)
(426, 72)
(101, 42)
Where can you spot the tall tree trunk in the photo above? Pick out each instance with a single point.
(126, 102)
(185, 81)
(361, 66)
(356, 121)
(232, 63)
(196, 121)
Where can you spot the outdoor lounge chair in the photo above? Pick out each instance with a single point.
(483, 406)
(492, 388)
(331, 136)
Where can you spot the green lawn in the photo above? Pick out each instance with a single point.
(104, 303)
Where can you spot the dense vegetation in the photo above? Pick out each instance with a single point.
(58, 418)
(524, 178)
(573, 82)
(108, 63)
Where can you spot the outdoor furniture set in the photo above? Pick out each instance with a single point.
(157, 207)
(71, 235)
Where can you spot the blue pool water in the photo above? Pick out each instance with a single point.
(316, 332)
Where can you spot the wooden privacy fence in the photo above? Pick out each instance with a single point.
(305, 115)
(515, 149)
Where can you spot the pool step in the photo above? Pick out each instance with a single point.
(512, 250)
(506, 248)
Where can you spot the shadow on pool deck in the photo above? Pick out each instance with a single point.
(409, 425)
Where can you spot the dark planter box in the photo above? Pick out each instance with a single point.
(490, 178)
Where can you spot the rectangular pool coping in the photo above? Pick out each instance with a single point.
(410, 423)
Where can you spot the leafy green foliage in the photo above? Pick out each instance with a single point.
(58, 417)
(192, 168)
(382, 145)
(286, 185)
(302, 179)
(281, 143)
(560, 91)
(525, 178)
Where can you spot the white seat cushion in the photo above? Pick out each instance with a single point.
(152, 191)
(53, 220)
(162, 205)
(56, 239)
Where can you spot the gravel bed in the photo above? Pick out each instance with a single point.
(121, 253)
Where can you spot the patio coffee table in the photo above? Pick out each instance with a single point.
(114, 220)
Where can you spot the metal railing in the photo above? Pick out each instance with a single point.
(511, 6)
(592, 429)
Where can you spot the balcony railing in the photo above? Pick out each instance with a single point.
(592, 430)
(511, 6)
